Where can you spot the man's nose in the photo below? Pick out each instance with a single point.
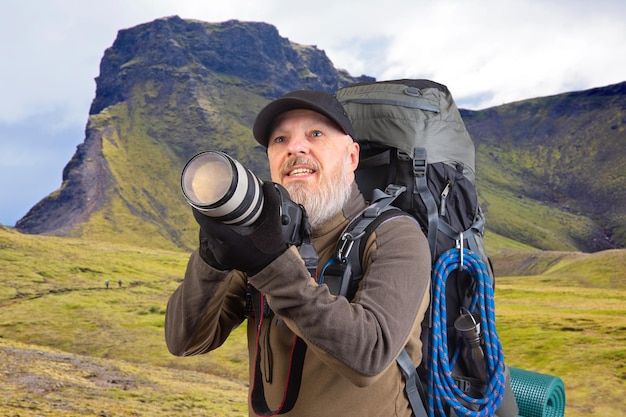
(298, 144)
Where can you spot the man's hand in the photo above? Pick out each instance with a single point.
(249, 248)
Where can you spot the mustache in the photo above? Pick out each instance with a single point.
(300, 160)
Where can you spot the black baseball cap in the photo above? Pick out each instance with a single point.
(318, 101)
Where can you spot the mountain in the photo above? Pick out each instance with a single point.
(549, 169)
(167, 90)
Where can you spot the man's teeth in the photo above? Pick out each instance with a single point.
(301, 171)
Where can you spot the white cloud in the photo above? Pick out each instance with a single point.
(507, 49)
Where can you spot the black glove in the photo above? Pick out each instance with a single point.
(252, 248)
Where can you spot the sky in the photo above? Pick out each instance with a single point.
(488, 53)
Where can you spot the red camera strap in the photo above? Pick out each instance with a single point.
(294, 376)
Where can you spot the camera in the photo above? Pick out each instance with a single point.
(221, 188)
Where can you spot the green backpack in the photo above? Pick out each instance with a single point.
(417, 158)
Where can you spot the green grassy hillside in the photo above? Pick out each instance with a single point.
(522, 219)
(146, 145)
(71, 346)
(53, 293)
(551, 171)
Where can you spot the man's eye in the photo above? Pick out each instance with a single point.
(279, 139)
(316, 133)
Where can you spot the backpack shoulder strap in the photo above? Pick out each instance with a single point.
(412, 383)
(358, 231)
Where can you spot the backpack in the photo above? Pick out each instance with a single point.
(417, 158)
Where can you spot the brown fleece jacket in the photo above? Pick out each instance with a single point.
(349, 368)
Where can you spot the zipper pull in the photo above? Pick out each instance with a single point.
(444, 195)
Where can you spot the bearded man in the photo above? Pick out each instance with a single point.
(311, 352)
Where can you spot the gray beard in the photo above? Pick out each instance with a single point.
(328, 201)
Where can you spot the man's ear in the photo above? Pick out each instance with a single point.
(353, 156)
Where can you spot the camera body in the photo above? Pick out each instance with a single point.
(294, 223)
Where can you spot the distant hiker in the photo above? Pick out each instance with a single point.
(119, 283)
(322, 354)
(106, 284)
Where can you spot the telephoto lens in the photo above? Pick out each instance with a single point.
(221, 188)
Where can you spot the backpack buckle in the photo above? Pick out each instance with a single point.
(419, 162)
(463, 385)
(395, 190)
(403, 156)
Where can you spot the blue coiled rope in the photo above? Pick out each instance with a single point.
(441, 386)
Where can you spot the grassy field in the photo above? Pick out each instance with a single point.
(39, 381)
(69, 346)
(567, 317)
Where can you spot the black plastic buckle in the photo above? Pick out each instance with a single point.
(419, 162)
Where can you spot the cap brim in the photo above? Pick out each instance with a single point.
(267, 116)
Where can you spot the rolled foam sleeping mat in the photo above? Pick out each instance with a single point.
(538, 395)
